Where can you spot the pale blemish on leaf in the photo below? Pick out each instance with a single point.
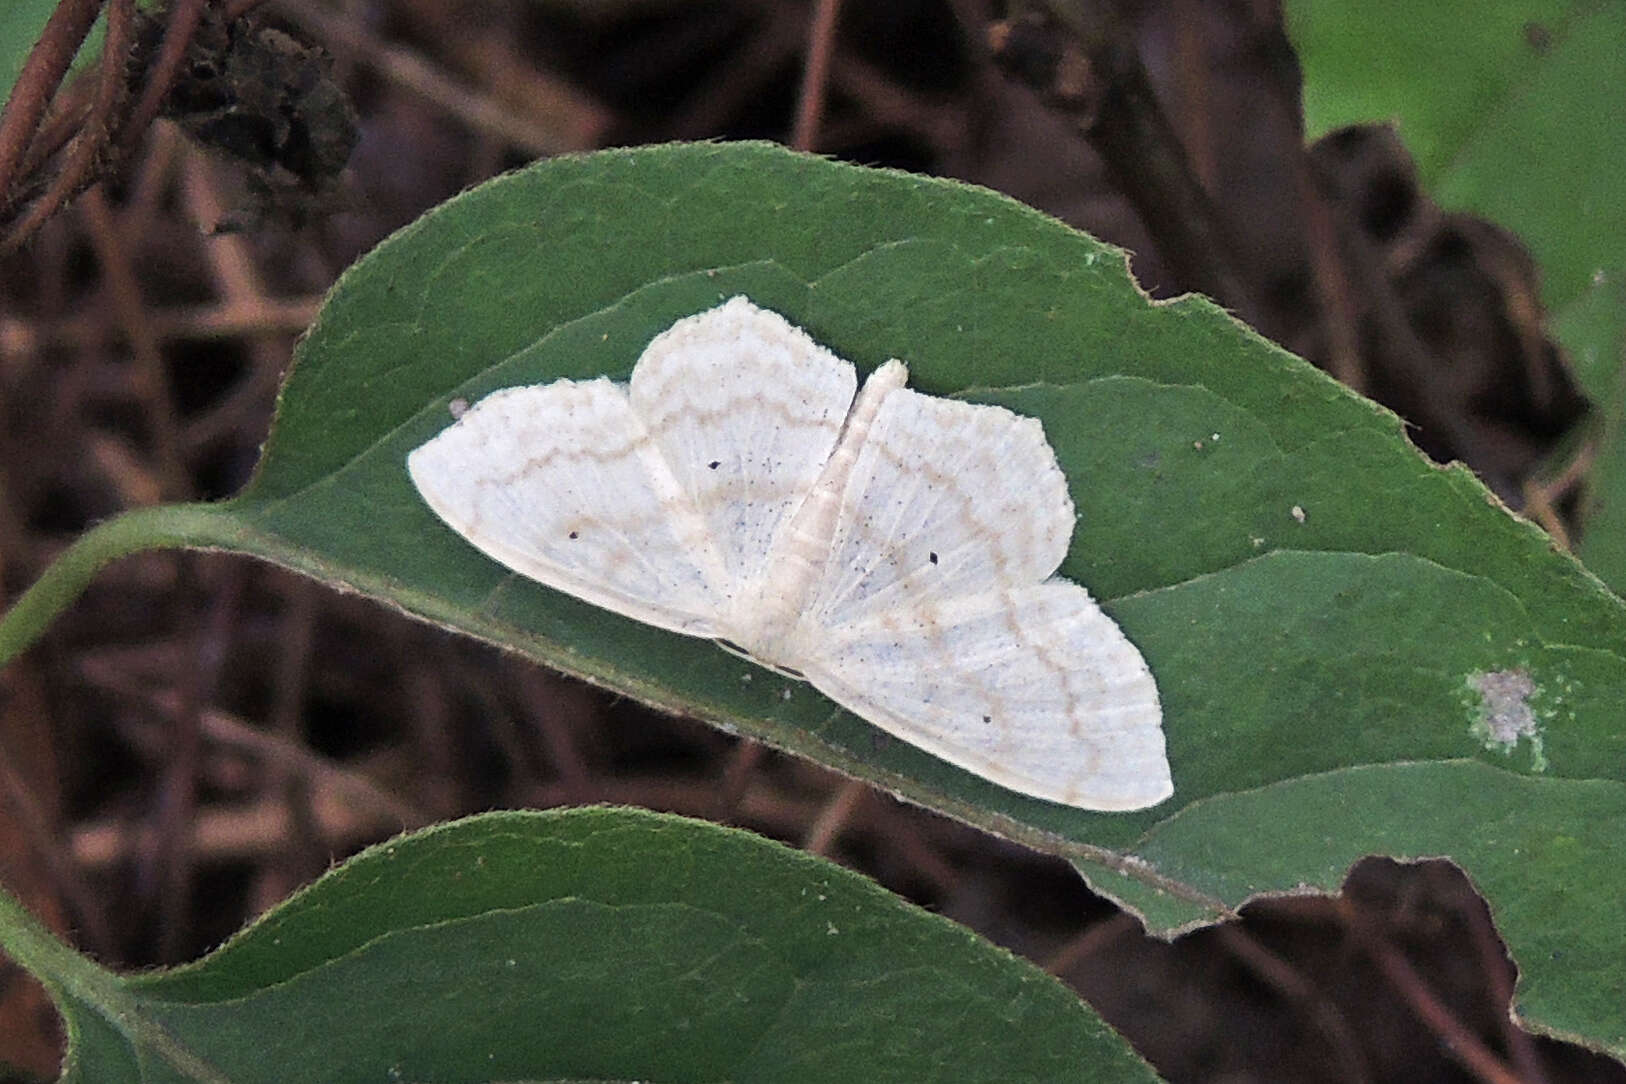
(1504, 714)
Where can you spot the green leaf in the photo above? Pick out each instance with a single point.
(1511, 111)
(603, 944)
(21, 23)
(1508, 106)
(1598, 324)
(1312, 596)
(1538, 872)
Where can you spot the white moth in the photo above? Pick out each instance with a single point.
(896, 551)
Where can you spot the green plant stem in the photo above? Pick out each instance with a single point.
(67, 576)
(72, 978)
(26, 940)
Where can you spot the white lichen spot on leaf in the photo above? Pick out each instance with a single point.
(1504, 714)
